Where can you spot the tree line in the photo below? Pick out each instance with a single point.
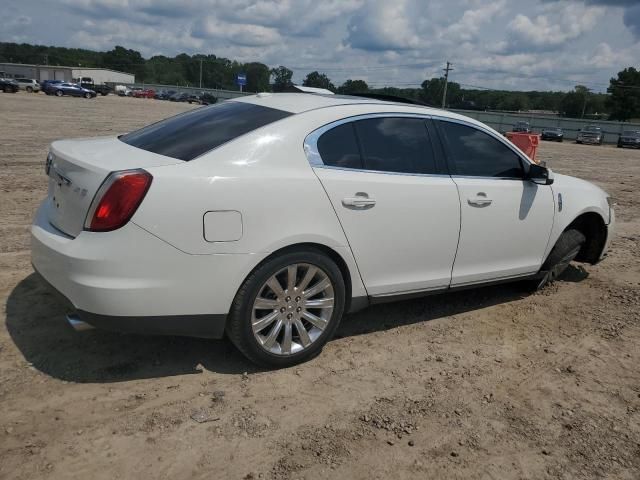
(621, 102)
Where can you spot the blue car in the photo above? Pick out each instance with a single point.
(47, 85)
(72, 89)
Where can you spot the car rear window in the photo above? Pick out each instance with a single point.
(191, 134)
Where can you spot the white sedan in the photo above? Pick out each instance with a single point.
(270, 216)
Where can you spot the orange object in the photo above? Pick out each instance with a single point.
(527, 142)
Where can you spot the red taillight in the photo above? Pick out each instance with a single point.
(117, 200)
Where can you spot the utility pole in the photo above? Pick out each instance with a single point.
(446, 78)
(584, 103)
(200, 73)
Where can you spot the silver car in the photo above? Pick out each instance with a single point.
(590, 134)
(28, 84)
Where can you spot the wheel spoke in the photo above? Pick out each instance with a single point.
(326, 302)
(286, 341)
(311, 272)
(317, 288)
(274, 285)
(292, 274)
(302, 333)
(264, 322)
(262, 303)
(316, 321)
(271, 339)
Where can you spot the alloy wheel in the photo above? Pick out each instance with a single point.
(292, 309)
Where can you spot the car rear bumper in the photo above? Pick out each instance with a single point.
(130, 280)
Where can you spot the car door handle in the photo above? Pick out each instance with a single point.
(359, 201)
(480, 200)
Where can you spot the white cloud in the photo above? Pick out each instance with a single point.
(504, 43)
(558, 24)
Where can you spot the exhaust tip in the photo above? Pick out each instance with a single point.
(77, 324)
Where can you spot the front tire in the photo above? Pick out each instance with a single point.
(87, 95)
(287, 309)
(59, 93)
(563, 253)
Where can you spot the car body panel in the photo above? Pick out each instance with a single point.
(493, 236)
(102, 273)
(394, 242)
(78, 168)
(573, 192)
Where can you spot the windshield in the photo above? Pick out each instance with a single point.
(592, 129)
(191, 134)
(631, 133)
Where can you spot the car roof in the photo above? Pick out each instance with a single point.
(304, 102)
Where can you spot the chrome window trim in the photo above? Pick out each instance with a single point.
(315, 160)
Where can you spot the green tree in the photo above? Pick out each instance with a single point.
(125, 60)
(318, 80)
(433, 89)
(257, 77)
(281, 78)
(351, 87)
(624, 95)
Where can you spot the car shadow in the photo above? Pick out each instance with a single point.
(35, 320)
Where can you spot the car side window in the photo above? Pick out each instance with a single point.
(395, 144)
(477, 154)
(338, 147)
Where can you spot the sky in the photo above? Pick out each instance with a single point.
(510, 44)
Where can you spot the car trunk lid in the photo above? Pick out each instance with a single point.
(78, 168)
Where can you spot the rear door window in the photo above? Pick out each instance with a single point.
(475, 153)
(396, 144)
(194, 133)
(338, 147)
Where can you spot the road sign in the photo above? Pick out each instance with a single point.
(241, 79)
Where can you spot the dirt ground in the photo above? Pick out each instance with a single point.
(488, 383)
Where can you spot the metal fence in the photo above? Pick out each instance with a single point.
(504, 122)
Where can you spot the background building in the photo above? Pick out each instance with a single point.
(66, 74)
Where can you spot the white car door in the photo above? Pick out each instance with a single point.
(399, 210)
(506, 219)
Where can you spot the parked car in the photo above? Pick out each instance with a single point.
(131, 92)
(164, 94)
(47, 86)
(9, 85)
(71, 89)
(103, 90)
(522, 127)
(121, 90)
(590, 134)
(203, 98)
(180, 97)
(28, 84)
(270, 216)
(629, 138)
(554, 134)
(207, 99)
(146, 93)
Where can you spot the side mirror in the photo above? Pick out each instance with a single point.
(540, 175)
